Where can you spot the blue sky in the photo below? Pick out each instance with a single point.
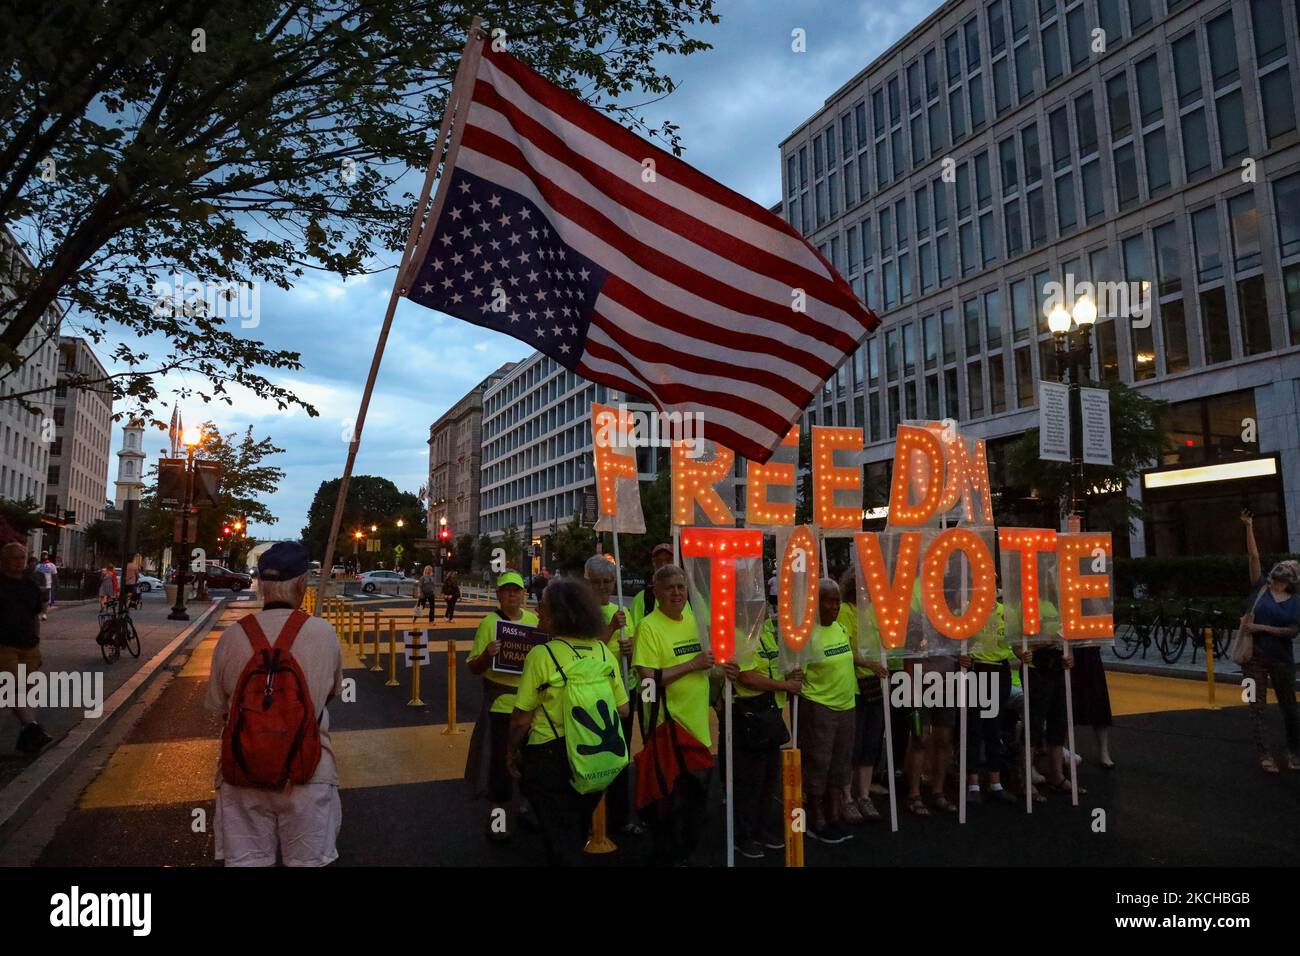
(734, 106)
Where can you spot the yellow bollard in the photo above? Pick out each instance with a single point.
(792, 791)
(599, 841)
(451, 727)
(415, 678)
(392, 655)
(1209, 666)
(376, 666)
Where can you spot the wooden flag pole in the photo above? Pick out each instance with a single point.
(1067, 657)
(473, 48)
(1029, 753)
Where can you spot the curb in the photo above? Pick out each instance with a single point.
(19, 799)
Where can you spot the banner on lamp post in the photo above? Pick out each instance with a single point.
(1095, 415)
(1053, 421)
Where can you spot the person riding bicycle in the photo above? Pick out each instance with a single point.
(108, 588)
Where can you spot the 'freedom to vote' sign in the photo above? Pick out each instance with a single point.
(516, 641)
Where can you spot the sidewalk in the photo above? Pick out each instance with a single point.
(68, 645)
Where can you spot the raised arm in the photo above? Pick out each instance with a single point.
(1252, 549)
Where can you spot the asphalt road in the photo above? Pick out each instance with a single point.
(1186, 792)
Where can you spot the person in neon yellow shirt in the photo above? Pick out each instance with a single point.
(756, 711)
(828, 695)
(644, 603)
(536, 753)
(667, 651)
(869, 710)
(485, 767)
(988, 653)
(599, 572)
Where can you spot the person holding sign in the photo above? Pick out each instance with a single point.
(667, 654)
(599, 572)
(760, 731)
(989, 654)
(485, 768)
(829, 694)
(644, 602)
(869, 709)
(555, 674)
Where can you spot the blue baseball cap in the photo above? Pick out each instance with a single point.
(283, 561)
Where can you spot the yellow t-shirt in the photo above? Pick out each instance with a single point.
(765, 660)
(485, 635)
(609, 610)
(662, 643)
(828, 677)
(541, 686)
(990, 646)
(848, 619)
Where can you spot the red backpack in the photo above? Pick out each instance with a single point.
(272, 735)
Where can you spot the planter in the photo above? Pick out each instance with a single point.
(171, 594)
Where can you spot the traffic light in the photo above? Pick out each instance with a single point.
(225, 530)
(445, 533)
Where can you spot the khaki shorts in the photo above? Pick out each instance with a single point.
(11, 657)
(302, 823)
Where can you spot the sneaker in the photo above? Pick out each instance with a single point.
(852, 815)
(32, 738)
(973, 795)
(45, 617)
(1292, 762)
(773, 841)
(1005, 796)
(750, 850)
(632, 829)
(829, 833)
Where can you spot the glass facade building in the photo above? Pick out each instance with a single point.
(1149, 147)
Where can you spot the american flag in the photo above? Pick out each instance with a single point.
(565, 230)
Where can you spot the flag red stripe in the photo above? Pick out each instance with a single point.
(678, 393)
(639, 200)
(683, 324)
(662, 265)
(660, 354)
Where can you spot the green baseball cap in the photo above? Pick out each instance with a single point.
(510, 577)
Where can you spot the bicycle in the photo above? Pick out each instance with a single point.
(116, 631)
(1143, 630)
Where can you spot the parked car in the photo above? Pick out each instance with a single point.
(148, 582)
(371, 580)
(338, 571)
(219, 577)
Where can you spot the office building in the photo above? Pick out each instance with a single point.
(455, 456)
(27, 423)
(77, 480)
(1148, 145)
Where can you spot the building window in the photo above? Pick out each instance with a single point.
(1222, 42)
(1157, 161)
(1253, 311)
(1196, 143)
(1205, 229)
(1121, 121)
(1214, 326)
(1187, 70)
(1233, 142)
(1278, 105)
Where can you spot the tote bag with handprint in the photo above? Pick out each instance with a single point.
(593, 733)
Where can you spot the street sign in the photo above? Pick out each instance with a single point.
(1095, 403)
(171, 482)
(590, 513)
(1053, 421)
(416, 650)
(207, 483)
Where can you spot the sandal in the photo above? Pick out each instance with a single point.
(942, 804)
(917, 807)
(1268, 765)
(1063, 786)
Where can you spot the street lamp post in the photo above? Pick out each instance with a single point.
(192, 440)
(1072, 335)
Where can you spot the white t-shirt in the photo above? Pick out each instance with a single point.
(317, 652)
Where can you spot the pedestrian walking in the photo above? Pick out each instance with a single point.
(1271, 625)
(108, 584)
(20, 636)
(451, 594)
(50, 572)
(428, 591)
(277, 791)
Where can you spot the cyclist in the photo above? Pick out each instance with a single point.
(108, 585)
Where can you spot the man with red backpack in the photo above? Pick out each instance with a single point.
(272, 675)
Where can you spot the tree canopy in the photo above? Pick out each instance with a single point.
(371, 500)
(232, 144)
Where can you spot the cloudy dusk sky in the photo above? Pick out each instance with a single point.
(734, 106)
